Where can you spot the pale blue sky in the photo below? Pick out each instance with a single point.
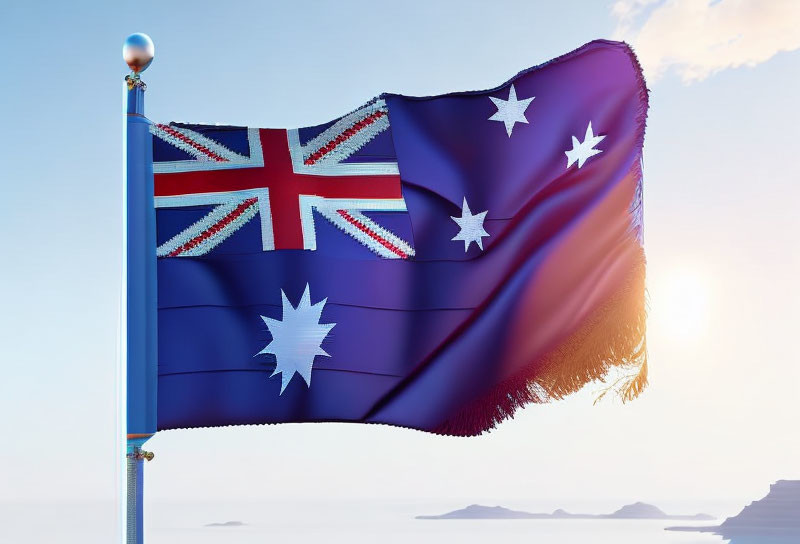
(721, 193)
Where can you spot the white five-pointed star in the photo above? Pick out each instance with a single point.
(582, 151)
(296, 340)
(471, 226)
(510, 111)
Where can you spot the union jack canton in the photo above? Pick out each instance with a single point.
(344, 172)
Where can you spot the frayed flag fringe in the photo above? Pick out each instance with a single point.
(613, 337)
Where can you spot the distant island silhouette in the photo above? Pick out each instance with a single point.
(637, 510)
(227, 524)
(773, 519)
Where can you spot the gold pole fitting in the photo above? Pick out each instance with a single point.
(141, 454)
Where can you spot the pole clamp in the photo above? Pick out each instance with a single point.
(140, 455)
(133, 81)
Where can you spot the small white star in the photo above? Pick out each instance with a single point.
(510, 111)
(297, 339)
(582, 151)
(471, 226)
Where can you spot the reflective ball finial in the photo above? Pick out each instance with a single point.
(138, 51)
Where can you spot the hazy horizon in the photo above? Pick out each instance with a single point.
(352, 520)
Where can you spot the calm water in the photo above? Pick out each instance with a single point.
(351, 522)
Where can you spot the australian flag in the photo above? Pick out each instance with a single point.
(432, 263)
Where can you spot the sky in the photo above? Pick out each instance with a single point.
(721, 225)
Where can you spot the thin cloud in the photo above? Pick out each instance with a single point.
(698, 38)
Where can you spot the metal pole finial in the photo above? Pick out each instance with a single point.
(138, 52)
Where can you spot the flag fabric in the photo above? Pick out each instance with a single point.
(433, 263)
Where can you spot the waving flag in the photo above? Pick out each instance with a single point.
(432, 263)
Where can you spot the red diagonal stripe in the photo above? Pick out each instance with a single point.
(372, 234)
(215, 228)
(201, 148)
(343, 137)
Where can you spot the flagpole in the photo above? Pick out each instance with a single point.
(139, 309)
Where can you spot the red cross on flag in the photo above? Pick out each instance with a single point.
(284, 177)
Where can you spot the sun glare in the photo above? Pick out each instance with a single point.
(679, 303)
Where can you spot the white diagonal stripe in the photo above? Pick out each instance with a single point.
(223, 234)
(197, 228)
(355, 142)
(212, 145)
(177, 142)
(365, 239)
(200, 161)
(340, 126)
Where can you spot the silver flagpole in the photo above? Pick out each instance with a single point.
(139, 308)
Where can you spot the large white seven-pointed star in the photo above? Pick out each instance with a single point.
(297, 339)
(581, 151)
(471, 226)
(510, 111)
